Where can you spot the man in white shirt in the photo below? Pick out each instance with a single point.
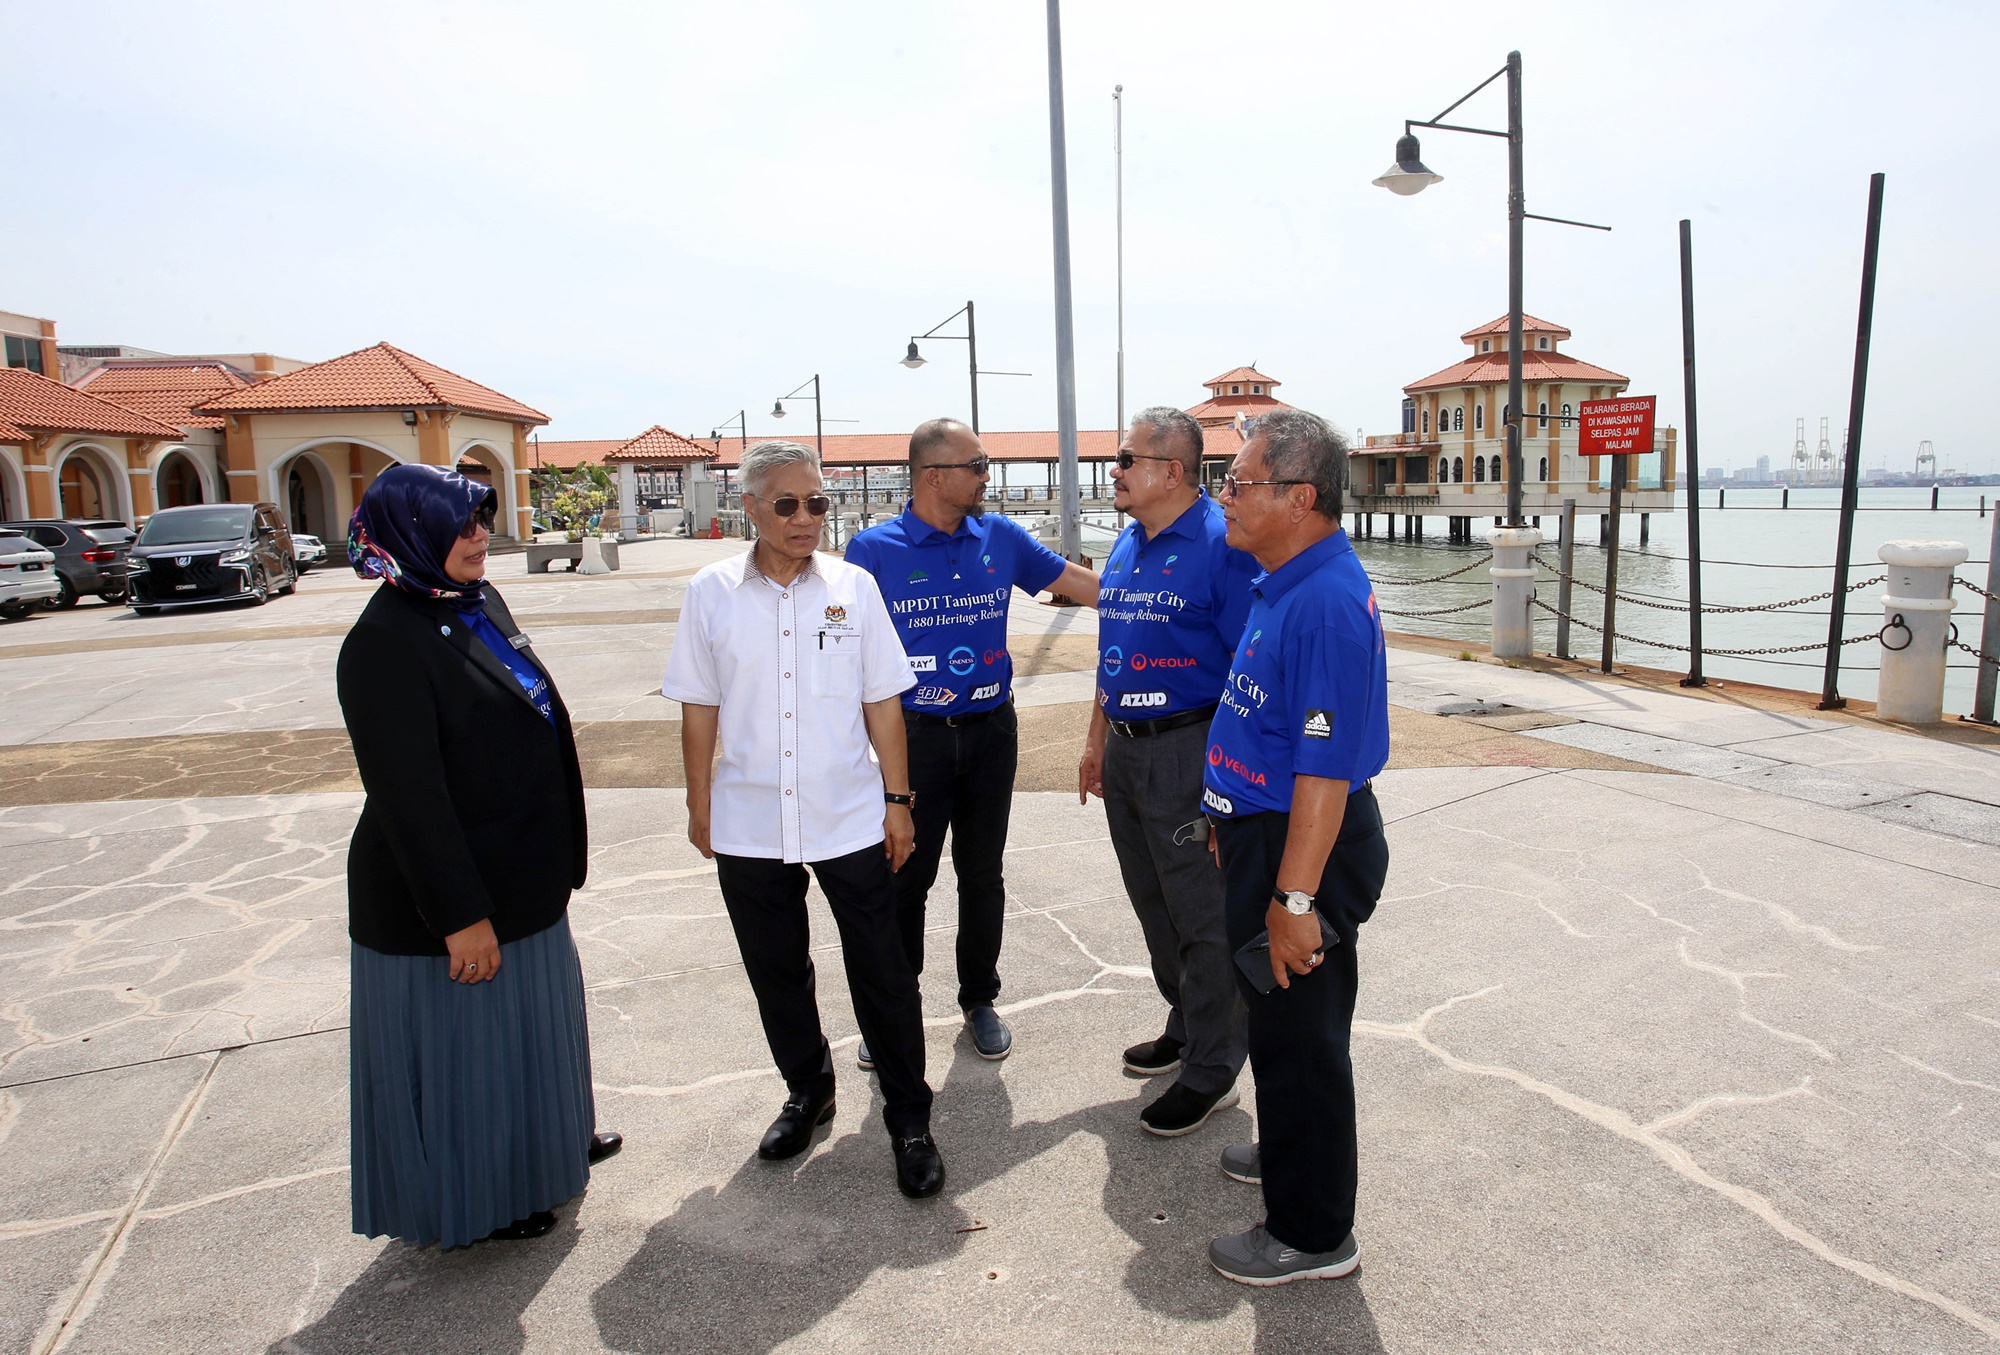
(791, 658)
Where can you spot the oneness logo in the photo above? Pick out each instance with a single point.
(961, 661)
(1114, 659)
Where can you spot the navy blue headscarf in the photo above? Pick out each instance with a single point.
(404, 528)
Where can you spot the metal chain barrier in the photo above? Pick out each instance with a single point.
(1707, 608)
(1984, 659)
(1436, 578)
(1443, 611)
(1705, 649)
(1967, 583)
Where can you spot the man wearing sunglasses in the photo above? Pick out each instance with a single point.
(1169, 615)
(1302, 729)
(789, 659)
(948, 572)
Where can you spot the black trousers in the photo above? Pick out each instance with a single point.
(766, 900)
(963, 778)
(1299, 1035)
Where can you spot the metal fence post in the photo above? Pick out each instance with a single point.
(1694, 677)
(1611, 561)
(1568, 569)
(1830, 698)
(1989, 634)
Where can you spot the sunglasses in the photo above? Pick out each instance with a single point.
(1231, 485)
(977, 465)
(1125, 459)
(482, 516)
(785, 507)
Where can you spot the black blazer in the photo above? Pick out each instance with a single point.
(475, 805)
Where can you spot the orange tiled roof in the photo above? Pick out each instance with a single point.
(1487, 369)
(1240, 374)
(381, 377)
(165, 391)
(1223, 409)
(568, 454)
(1529, 325)
(32, 404)
(661, 444)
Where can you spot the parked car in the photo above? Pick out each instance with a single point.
(90, 555)
(213, 552)
(27, 575)
(311, 551)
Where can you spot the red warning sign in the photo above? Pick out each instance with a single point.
(1621, 427)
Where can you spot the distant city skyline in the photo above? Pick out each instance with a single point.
(630, 215)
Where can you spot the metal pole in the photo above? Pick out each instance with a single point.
(1118, 155)
(1516, 208)
(972, 349)
(819, 432)
(1611, 560)
(1694, 677)
(1989, 634)
(1850, 489)
(1072, 533)
(1562, 584)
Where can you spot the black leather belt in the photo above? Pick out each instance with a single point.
(1147, 729)
(971, 717)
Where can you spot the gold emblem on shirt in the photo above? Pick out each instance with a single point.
(836, 615)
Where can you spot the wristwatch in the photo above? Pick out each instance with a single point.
(890, 797)
(1297, 902)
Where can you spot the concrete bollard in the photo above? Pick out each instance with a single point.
(1513, 585)
(593, 557)
(1916, 615)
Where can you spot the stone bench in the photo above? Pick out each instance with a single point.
(542, 553)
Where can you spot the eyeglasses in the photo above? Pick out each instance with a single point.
(785, 507)
(1125, 459)
(977, 465)
(1231, 485)
(482, 516)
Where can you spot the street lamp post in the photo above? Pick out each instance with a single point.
(742, 427)
(913, 359)
(819, 429)
(1409, 176)
(1072, 516)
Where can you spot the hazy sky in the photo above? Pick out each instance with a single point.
(664, 213)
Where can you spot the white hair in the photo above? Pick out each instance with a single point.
(765, 457)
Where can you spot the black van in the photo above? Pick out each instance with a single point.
(211, 552)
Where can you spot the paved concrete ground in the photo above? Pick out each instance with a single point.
(1679, 1030)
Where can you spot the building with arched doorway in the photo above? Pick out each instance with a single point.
(67, 453)
(311, 441)
(188, 470)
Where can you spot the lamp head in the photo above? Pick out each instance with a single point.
(777, 409)
(913, 359)
(1408, 175)
(714, 436)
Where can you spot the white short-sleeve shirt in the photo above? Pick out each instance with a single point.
(790, 666)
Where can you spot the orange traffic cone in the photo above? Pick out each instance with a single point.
(715, 529)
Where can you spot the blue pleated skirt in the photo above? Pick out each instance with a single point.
(471, 1102)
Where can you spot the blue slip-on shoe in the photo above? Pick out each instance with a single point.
(1257, 1258)
(990, 1036)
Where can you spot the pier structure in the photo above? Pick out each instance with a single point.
(1449, 459)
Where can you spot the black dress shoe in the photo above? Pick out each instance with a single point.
(604, 1145)
(520, 1230)
(1154, 1057)
(919, 1169)
(792, 1132)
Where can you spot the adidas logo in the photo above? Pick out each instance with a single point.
(1319, 725)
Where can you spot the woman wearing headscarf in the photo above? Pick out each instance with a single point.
(472, 1109)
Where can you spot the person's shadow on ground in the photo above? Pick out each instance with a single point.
(411, 1298)
(744, 1268)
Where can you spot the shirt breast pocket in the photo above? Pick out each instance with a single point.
(836, 667)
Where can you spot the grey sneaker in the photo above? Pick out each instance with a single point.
(1242, 1162)
(864, 1060)
(1258, 1258)
(990, 1036)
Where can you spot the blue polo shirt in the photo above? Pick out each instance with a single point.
(948, 596)
(1169, 615)
(1308, 692)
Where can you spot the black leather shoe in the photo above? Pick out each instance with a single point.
(919, 1169)
(520, 1230)
(792, 1132)
(604, 1145)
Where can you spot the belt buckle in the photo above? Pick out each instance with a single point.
(1124, 728)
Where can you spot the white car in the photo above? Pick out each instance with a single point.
(308, 551)
(27, 574)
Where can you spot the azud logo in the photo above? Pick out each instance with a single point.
(962, 660)
(1114, 659)
(991, 689)
(1141, 700)
(1218, 758)
(923, 663)
(1221, 804)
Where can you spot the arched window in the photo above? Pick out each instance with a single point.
(1236, 390)
(1544, 476)
(1458, 419)
(1545, 413)
(1427, 423)
(1479, 468)
(1565, 415)
(1458, 468)
(1444, 470)
(1256, 390)
(1542, 342)
(1496, 468)
(1478, 418)
(1486, 345)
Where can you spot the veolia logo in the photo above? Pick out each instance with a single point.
(962, 660)
(1114, 659)
(1215, 755)
(1218, 758)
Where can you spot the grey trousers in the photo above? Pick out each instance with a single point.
(1152, 798)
